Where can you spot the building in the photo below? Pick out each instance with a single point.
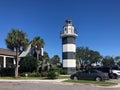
(7, 58)
(68, 36)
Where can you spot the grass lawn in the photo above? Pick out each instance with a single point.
(33, 78)
(22, 78)
(102, 83)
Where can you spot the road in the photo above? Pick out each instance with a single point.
(38, 85)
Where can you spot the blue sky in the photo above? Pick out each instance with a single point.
(97, 22)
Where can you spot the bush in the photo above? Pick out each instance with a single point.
(28, 64)
(63, 71)
(44, 74)
(7, 72)
(34, 74)
(52, 75)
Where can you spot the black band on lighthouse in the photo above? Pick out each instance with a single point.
(68, 55)
(68, 40)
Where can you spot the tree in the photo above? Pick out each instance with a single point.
(37, 45)
(94, 57)
(117, 59)
(28, 64)
(45, 65)
(82, 54)
(118, 63)
(86, 57)
(108, 61)
(55, 60)
(16, 40)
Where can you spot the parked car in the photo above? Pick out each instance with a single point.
(115, 67)
(116, 74)
(90, 75)
(112, 73)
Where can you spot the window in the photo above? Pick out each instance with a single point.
(93, 71)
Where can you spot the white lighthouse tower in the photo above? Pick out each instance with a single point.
(68, 36)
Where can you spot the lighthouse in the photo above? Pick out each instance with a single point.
(68, 36)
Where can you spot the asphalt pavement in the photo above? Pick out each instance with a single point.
(56, 84)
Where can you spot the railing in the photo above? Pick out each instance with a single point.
(75, 32)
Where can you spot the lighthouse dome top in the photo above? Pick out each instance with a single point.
(68, 29)
(68, 22)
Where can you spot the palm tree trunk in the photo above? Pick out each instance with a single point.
(42, 64)
(16, 66)
(37, 68)
(37, 61)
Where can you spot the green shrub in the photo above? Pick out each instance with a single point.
(7, 72)
(52, 75)
(28, 64)
(63, 71)
(57, 70)
(34, 74)
(44, 74)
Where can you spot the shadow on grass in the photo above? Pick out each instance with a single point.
(101, 83)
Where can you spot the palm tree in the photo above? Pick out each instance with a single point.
(37, 45)
(55, 60)
(16, 39)
(45, 65)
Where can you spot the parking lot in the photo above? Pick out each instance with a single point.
(114, 80)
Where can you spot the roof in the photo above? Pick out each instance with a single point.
(7, 52)
(26, 52)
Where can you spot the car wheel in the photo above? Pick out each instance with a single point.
(75, 78)
(98, 79)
